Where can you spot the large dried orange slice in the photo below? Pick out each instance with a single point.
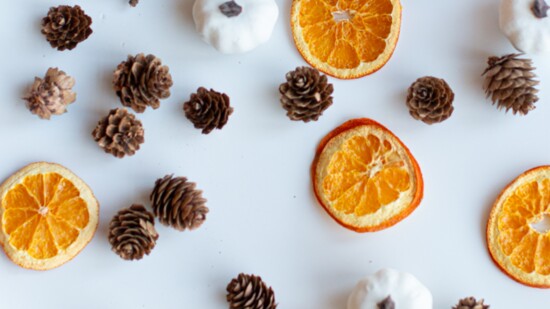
(346, 38)
(518, 231)
(365, 177)
(48, 216)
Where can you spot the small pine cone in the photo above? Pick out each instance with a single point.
(208, 109)
(119, 133)
(134, 2)
(132, 233)
(178, 204)
(509, 81)
(306, 94)
(430, 100)
(250, 292)
(66, 26)
(142, 81)
(471, 303)
(51, 95)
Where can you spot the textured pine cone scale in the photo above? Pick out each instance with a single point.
(141, 82)
(177, 203)
(306, 94)
(510, 83)
(250, 292)
(119, 133)
(132, 233)
(208, 109)
(66, 26)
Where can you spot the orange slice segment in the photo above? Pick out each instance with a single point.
(365, 177)
(48, 216)
(346, 38)
(516, 242)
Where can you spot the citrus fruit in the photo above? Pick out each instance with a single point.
(365, 177)
(346, 38)
(48, 216)
(517, 236)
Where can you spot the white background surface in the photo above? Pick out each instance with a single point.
(263, 217)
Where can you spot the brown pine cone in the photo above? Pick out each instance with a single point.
(51, 95)
(178, 204)
(119, 133)
(66, 26)
(471, 303)
(208, 109)
(132, 232)
(250, 292)
(134, 2)
(430, 100)
(142, 81)
(509, 81)
(306, 94)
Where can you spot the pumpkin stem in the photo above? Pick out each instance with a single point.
(230, 8)
(387, 303)
(540, 9)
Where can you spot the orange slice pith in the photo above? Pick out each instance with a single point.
(516, 247)
(48, 216)
(365, 177)
(346, 38)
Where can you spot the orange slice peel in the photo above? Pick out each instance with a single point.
(346, 38)
(365, 177)
(515, 244)
(48, 216)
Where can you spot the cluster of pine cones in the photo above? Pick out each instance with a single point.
(176, 203)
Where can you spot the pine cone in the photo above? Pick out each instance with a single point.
(51, 95)
(134, 2)
(119, 133)
(132, 233)
(430, 100)
(208, 109)
(250, 292)
(142, 81)
(306, 94)
(471, 303)
(178, 204)
(66, 26)
(509, 81)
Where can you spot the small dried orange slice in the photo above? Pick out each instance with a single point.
(346, 38)
(365, 177)
(48, 216)
(518, 231)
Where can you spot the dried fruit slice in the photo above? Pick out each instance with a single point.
(364, 176)
(48, 216)
(518, 231)
(346, 38)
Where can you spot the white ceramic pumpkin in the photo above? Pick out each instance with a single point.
(526, 24)
(235, 26)
(387, 287)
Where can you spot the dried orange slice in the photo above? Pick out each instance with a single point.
(346, 38)
(48, 216)
(518, 231)
(365, 177)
